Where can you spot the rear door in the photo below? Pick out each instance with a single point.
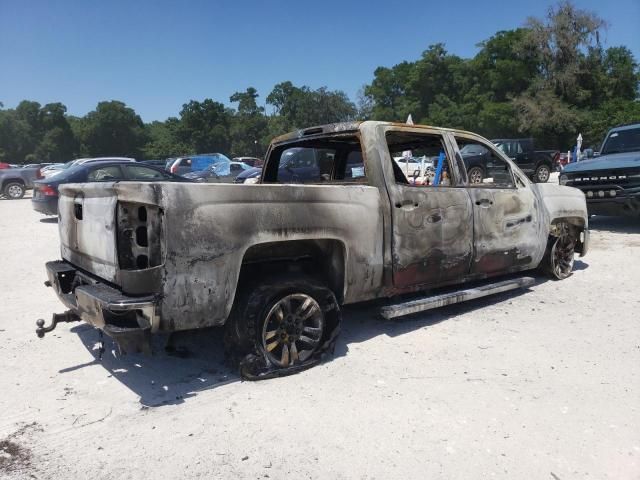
(432, 224)
(505, 216)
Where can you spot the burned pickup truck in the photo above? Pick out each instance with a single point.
(274, 261)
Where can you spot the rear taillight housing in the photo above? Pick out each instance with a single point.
(48, 191)
(174, 168)
(139, 236)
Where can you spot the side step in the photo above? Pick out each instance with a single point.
(427, 303)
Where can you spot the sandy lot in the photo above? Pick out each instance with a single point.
(540, 384)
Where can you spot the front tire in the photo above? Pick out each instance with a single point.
(559, 257)
(14, 190)
(281, 326)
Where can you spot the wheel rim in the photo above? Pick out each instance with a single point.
(292, 330)
(543, 174)
(562, 256)
(475, 175)
(14, 191)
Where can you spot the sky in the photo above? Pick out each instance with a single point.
(157, 55)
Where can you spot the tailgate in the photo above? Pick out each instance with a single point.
(88, 228)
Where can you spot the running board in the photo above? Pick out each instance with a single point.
(427, 303)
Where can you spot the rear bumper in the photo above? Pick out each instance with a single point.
(47, 205)
(128, 320)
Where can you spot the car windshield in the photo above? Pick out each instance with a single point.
(622, 141)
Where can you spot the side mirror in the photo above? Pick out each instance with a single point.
(589, 152)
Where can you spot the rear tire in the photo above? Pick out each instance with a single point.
(281, 325)
(14, 190)
(475, 175)
(542, 174)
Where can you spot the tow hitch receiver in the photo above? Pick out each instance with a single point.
(56, 318)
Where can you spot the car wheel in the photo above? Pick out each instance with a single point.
(476, 175)
(542, 174)
(281, 326)
(559, 257)
(14, 190)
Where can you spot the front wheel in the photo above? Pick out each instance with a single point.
(542, 174)
(559, 257)
(281, 326)
(14, 190)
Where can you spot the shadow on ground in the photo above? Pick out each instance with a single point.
(615, 224)
(197, 361)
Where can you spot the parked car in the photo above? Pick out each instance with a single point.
(57, 168)
(14, 182)
(251, 161)
(537, 164)
(45, 197)
(155, 163)
(218, 172)
(144, 259)
(4, 165)
(610, 181)
(196, 163)
(251, 175)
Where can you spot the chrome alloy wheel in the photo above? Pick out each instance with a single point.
(562, 256)
(292, 330)
(15, 191)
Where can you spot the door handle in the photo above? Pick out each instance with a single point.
(407, 205)
(484, 202)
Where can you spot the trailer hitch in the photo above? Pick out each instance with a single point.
(56, 318)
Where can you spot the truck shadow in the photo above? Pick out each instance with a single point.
(614, 224)
(197, 361)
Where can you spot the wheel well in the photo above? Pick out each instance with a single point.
(6, 181)
(321, 258)
(576, 226)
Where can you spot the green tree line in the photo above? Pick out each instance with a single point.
(550, 79)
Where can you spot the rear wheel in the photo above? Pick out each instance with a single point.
(476, 175)
(542, 174)
(14, 190)
(281, 326)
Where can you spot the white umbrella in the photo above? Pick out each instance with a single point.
(578, 147)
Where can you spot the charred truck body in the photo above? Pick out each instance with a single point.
(611, 181)
(274, 261)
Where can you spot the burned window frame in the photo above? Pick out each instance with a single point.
(455, 179)
(515, 174)
(270, 172)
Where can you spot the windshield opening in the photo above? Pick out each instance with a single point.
(622, 141)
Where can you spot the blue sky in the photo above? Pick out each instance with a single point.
(157, 55)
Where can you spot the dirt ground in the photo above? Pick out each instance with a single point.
(540, 384)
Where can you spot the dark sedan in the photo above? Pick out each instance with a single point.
(45, 196)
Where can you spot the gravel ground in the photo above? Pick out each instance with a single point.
(540, 384)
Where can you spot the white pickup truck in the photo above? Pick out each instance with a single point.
(275, 261)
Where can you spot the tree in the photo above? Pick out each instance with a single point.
(248, 125)
(113, 129)
(204, 126)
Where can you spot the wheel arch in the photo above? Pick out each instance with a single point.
(322, 258)
(577, 225)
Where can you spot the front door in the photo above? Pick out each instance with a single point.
(505, 217)
(432, 240)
